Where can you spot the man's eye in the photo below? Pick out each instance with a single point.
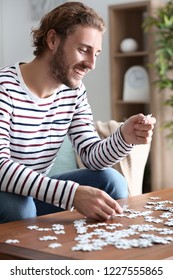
(83, 50)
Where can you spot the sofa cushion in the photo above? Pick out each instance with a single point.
(65, 160)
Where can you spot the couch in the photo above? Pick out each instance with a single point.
(131, 167)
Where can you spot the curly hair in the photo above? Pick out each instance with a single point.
(63, 19)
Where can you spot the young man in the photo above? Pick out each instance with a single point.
(45, 99)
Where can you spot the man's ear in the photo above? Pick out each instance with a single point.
(52, 39)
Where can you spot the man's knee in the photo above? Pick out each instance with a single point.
(15, 207)
(114, 183)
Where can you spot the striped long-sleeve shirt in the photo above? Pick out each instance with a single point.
(32, 130)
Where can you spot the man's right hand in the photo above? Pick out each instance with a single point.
(95, 204)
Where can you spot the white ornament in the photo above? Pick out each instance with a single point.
(129, 45)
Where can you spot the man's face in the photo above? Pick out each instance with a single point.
(76, 55)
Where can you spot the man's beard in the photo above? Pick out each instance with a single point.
(60, 68)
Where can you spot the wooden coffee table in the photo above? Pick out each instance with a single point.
(30, 247)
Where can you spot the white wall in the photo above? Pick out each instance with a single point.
(16, 22)
(15, 27)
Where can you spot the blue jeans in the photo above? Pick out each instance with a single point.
(15, 207)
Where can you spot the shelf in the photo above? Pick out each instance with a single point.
(131, 54)
(121, 102)
(126, 22)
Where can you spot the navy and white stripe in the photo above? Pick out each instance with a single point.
(32, 131)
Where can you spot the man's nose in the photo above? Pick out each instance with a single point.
(91, 62)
